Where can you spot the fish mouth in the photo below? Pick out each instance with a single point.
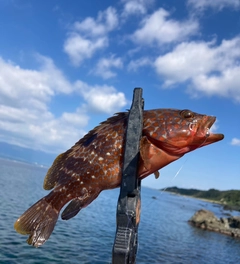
(210, 137)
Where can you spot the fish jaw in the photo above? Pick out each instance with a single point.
(212, 138)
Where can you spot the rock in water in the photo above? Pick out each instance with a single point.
(206, 220)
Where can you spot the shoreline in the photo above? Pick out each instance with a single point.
(198, 198)
(226, 207)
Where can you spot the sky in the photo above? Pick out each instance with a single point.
(65, 66)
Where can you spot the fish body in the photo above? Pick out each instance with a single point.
(95, 162)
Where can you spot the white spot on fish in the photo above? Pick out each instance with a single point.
(93, 177)
(81, 182)
(100, 158)
(108, 154)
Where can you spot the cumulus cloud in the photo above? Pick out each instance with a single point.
(25, 96)
(235, 142)
(105, 65)
(79, 48)
(31, 88)
(90, 35)
(103, 99)
(106, 21)
(209, 68)
(135, 7)
(134, 65)
(26, 117)
(158, 28)
(219, 4)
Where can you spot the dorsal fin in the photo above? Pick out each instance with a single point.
(111, 120)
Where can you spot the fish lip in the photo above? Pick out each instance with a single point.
(209, 123)
(211, 137)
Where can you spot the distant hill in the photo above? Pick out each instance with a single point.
(14, 152)
(230, 199)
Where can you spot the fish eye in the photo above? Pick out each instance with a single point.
(187, 114)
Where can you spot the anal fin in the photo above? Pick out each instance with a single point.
(52, 176)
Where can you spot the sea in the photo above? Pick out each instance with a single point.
(164, 233)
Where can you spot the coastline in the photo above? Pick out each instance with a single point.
(198, 198)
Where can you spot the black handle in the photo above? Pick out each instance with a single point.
(129, 201)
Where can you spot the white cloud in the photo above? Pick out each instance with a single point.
(40, 130)
(216, 4)
(31, 88)
(157, 28)
(210, 69)
(103, 99)
(90, 35)
(26, 118)
(104, 66)
(79, 48)
(134, 65)
(135, 6)
(106, 21)
(235, 142)
(187, 60)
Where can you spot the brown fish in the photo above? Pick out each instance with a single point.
(94, 163)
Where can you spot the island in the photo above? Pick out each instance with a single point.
(229, 199)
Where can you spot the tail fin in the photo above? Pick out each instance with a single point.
(38, 222)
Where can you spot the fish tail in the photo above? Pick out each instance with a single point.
(38, 222)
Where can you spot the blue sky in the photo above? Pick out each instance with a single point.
(66, 67)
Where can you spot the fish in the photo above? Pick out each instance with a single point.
(95, 163)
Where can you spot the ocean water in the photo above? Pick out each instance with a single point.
(164, 233)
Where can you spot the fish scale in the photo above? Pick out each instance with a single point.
(95, 162)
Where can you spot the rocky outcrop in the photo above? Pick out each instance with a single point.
(205, 219)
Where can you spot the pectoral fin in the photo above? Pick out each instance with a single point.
(153, 158)
(157, 174)
(78, 203)
(145, 152)
(72, 209)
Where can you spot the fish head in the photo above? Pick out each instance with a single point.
(168, 134)
(180, 131)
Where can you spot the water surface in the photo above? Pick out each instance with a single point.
(164, 234)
